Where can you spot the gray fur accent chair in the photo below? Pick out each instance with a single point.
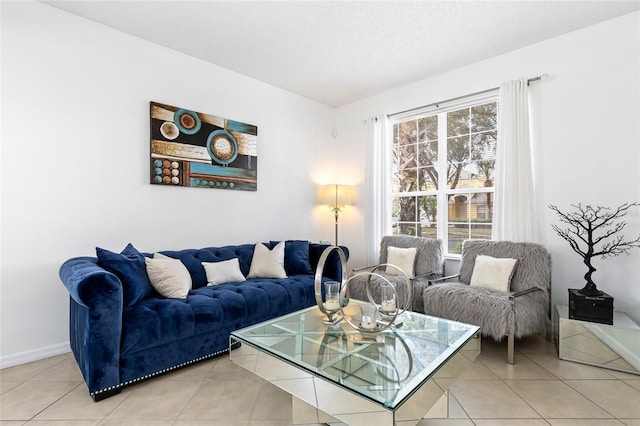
(428, 264)
(524, 310)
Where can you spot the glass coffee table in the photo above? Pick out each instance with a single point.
(392, 381)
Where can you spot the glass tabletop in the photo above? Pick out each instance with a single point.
(386, 373)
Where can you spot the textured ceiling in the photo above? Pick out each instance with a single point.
(337, 52)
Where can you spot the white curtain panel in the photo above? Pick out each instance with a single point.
(378, 169)
(514, 216)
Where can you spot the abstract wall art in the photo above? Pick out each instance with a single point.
(194, 149)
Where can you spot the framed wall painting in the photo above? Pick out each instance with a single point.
(199, 150)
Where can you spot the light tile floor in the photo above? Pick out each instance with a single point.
(538, 390)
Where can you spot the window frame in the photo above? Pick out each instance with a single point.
(443, 191)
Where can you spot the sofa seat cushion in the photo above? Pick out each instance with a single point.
(157, 321)
(460, 302)
(488, 309)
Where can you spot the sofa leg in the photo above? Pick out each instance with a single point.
(106, 394)
(510, 347)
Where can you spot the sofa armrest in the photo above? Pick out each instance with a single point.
(89, 284)
(332, 267)
(95, 322)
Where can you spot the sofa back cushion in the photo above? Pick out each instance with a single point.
(129, 266)
(429, 252)
(533, 268)
(296, 257)
(193, 258)
(223, 271)
(168, 276)
(267, 262)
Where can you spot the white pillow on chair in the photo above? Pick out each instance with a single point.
(403, 258)
(493, 273)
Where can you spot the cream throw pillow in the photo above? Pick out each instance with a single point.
(403, 258)
(168, 276)
(493, 273)
(226, 271)
(268, 263)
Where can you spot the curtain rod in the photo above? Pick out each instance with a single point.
(436, 104)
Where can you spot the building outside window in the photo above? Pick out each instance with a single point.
(443, 167)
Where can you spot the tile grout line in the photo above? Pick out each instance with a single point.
(451, 394)
(33, 418)
(561, 381)
(255, 402)
(589, 399)
(200, 383)
(555, 377)
(564, 381)
(540, 416)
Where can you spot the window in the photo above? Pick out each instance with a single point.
(459, 144)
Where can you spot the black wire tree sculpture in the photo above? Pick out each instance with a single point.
(595, 232)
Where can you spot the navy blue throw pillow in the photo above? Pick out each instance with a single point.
(129, 266)
(296, 257)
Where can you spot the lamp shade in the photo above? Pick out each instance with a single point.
(336, 195)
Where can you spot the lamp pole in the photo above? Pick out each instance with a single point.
(336, 196)
(336, 209)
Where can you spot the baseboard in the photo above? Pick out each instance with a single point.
(34, 355)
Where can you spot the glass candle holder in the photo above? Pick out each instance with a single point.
(388, 301)
(368, 319)
(332, 296)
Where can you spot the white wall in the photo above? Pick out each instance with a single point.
(585, 125)
(75, 153)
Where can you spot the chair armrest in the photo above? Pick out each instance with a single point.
(380, 268)
(442, 279)
(371, 267)
(364, 268)
(512, 296)
(417, 277)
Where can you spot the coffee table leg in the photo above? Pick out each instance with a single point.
(304, 413)
(440, 409)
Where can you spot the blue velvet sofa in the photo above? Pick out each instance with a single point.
(122, 331)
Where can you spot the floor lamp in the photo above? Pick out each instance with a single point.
(336, 197)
